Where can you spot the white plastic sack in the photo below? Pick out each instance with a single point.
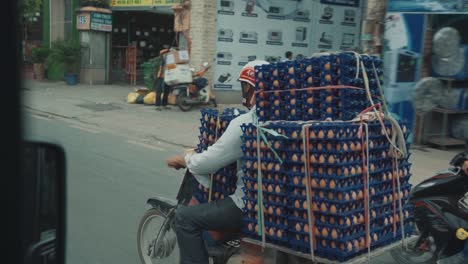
(428, 93)
(178, 75)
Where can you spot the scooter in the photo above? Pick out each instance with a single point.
(157, 241)
(441, 218)
(199, 92)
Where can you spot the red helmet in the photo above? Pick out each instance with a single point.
(247, 73)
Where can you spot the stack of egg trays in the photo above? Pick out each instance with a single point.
(330, 99)
(310, 98)
(262, 87)
(222, 188)
(273, 187)
(338, 192)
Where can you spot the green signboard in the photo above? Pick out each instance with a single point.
(101, 22)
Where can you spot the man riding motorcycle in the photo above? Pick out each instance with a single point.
(221, 215)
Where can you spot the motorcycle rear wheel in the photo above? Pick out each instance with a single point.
(414, 255)
(150, 226)
(181, 102)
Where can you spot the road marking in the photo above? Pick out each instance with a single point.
(41, 117)
(145, 145)
(87, 129)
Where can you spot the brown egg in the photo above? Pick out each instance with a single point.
(293, 101)
(332, 220)
(297, 204)
(330, 171)
(333, 244)
(345, 171)
(306, 228)
(327, 66)
(278, 211)
(329, 99)
(352, 146)
(348, 222)
(322, 159)
(277, 189)
(313, 159)
(355, 220)
(250, 227)
(315, 206)
(256, 228)
(323, 183)
(275, 72)
(254, 144)
(360, 195)
(309, 69)
(353, 171)
(323, 207)
(356, 244)
(310, 111)
(304, 181)
(332, 184)
(324, 243)
(310, 100)
(331, 196)
(270, 210)
(271, 232)
(305, 205)
(375, 237)
(347, 197)
(321, 134)
(320, 170)
(279, 233)
(321, 194)
(361, 219)
(277, 167)
(310, 80)
(295, 158)
(314, 183)
(298, 227)
(333, 209)
(296, 180)
(292, 82)
(249, 206)
(359, 169)
(324, 232)
(329, 110)
(328, 78)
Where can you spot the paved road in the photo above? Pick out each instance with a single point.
(109, 178)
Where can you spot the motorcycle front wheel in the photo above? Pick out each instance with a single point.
(157, 227)
(182, 102)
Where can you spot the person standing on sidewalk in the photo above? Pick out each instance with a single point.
(159, 85)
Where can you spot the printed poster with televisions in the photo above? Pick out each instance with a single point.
(250, 30)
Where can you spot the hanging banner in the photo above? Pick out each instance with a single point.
(250, 30)
(428, 6)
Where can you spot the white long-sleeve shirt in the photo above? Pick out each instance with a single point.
(225, 151)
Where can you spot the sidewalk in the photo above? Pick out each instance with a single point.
(104, 107)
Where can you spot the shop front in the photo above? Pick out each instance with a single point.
(426, 72)
(140, 30)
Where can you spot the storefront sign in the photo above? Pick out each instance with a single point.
(101, 22)
(83, 21)
(122, 3)
(428, 6)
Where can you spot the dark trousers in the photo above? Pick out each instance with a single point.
(191, 221)
(160, 88)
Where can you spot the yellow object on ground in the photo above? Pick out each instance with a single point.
(132, 97)
(172, 99)
(150, 98)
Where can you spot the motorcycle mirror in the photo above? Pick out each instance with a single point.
(43, 225)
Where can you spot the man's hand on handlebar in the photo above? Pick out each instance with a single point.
(177, 162)
(465, 167)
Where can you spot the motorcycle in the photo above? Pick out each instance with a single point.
(441, 218)
(199, 92)
(156, 238)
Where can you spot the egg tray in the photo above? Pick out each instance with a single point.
(269, 187)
